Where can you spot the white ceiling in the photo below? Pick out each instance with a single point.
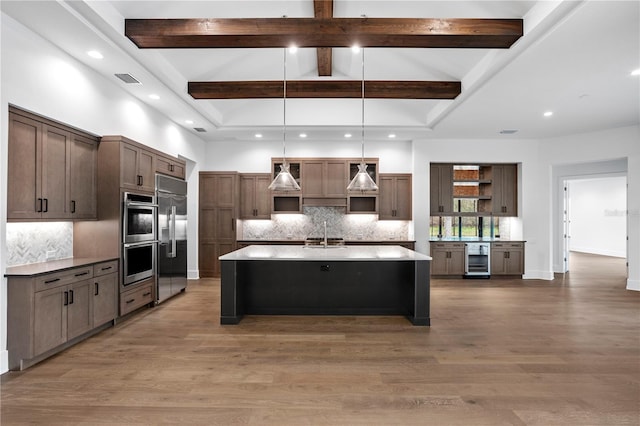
(574, 59)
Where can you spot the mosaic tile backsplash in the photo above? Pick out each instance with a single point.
(311, 224)
(29, 242)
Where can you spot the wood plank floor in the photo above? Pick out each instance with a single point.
(499, 352)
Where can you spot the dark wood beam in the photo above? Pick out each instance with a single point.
(323, 9)
(380, 89)
(325, 32)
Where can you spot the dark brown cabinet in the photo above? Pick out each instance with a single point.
(447, 258)
(504, 189)
(217, 219)
(441, 189)
(137, 168)
(170, 166)
(255, 196)
(507, 258)
(48, 312)
(395, 196)
(51, 170)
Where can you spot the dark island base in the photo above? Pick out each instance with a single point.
(257, 287)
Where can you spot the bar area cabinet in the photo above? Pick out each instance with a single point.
(507, 258)
(447, 258)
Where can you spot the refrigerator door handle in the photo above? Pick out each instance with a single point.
(172, 231)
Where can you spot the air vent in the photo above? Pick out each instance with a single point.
(508, 132)
(199, 129)
(127, 78)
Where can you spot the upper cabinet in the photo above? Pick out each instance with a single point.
(255, 202)
(474, 190)
(395, 196)
(51, 170)
(441, 194)
(171, 166)
(137, 167)
(324, 177)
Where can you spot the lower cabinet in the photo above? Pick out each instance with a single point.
(137, 297)
(447, 258)
(507, 258)
(48, 312)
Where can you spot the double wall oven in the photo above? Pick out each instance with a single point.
(139, 242)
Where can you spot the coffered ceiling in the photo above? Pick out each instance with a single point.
(573, 58)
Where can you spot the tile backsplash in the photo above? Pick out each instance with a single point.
(311, 224)
(29, 242)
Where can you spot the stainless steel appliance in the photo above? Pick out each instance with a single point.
(477, 259)
(138, 261)
(139, 218)
(171, 195)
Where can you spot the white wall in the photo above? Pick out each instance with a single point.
(37, 76)
(597, 213)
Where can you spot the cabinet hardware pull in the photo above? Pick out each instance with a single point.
(66, 298)
(170, 167)
(71, 297)
(130, 301)
(81, 274)
(73, 206)
(46, 205)
(97, 289)
(146, 294)
(39, 209)
(106, 268)
(52, 281)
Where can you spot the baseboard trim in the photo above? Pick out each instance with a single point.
(538, 275)
(4, 361)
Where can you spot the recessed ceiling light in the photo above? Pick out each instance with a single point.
(303, 135)
(635, 72)
(548, 113)
(258, 135)
(347, 135)
(293, 49)
(95, 54)
(355, 48)
(392, 135)
(188, 121)
(154, 96)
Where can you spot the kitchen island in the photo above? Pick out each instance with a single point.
(334, 280)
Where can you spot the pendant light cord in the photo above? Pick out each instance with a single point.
(362, 136)
(284, 109)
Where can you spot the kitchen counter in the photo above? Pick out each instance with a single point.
(338, 280)
(35, 269)
(334, 253)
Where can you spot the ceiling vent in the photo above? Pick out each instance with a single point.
(127, 78)
(199, 129)
(508, 132)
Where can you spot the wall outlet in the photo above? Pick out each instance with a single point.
(51, 254)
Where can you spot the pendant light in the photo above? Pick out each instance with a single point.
(362, 181)
(284, 181)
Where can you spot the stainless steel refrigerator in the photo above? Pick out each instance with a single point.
(171, 196)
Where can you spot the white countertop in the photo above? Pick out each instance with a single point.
(345, 253)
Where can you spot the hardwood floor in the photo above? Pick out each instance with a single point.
(499, 352)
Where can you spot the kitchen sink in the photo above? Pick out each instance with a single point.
(319, 242)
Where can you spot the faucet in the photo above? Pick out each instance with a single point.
(325, 234)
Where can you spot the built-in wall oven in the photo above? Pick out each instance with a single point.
(477, 259)
(139, 243)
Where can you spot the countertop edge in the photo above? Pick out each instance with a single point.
(337, 253)
(42, 268)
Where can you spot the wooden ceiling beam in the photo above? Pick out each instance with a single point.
(323, 32)
(324, 9)
(380, 89)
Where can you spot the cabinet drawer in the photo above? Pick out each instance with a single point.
(517, 245)
(448, 246)
(132, 300)
(61, 278)
(105, 268)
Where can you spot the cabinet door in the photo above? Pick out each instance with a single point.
(50, 319)
(129, 166)
(395, 197)
(23, 177)
(263, 196)
(105, 299)
(386, 197)
(79, 312)
(247, 208)
(147, 170)
(56, 145)
(82, 178)
(255, 201)
(456, 262)
(312, 177)
(505, 190)
(441, 189)
(336, 178)
(403, 198)
(169, 166)
(439, 262)
(498, 261)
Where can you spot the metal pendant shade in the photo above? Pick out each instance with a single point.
(284, 181)
(362, 181)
